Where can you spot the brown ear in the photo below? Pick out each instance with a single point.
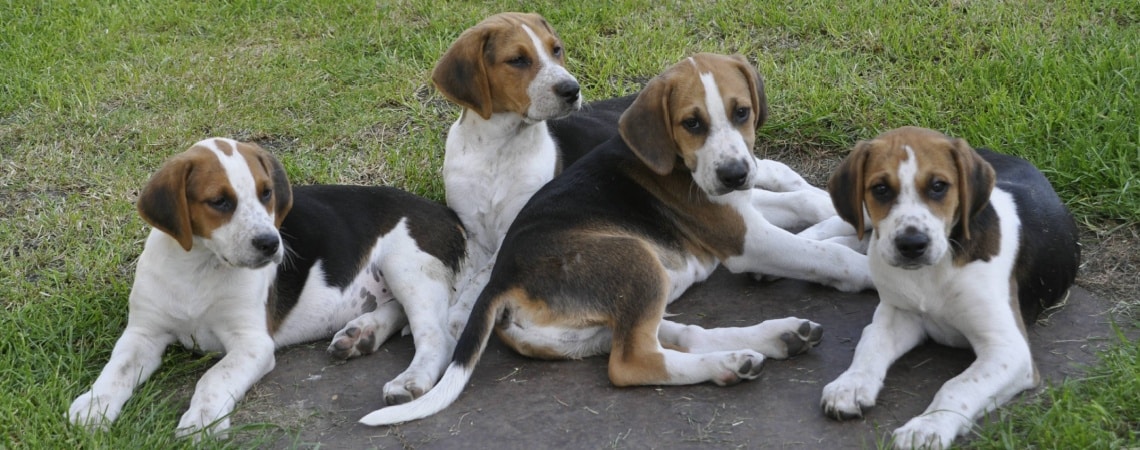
(756, 86)
(647, 128)
(163, 203)
(461, 73)
(975, 182)
(846, 186)
(282, 190)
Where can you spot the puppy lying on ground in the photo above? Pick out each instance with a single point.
(594, 257)
(216, 275)
(967, 247)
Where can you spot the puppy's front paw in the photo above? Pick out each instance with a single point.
(933, 431)
(90, 412)
(199, 423)
(851, 393)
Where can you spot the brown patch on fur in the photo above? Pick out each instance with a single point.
(711, 230)
(476, 71)
(636, 358)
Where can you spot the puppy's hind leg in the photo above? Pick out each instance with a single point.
(423, 285)
(364, 334)
(637, 357)
(777, 338)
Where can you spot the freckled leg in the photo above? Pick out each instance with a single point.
(777, 338)
(1003, 368)
(891, 334)
(136, 356)
(249, 356)
(471, 281)
(420, 284)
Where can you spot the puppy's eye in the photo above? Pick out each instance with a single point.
(938, 189)
(882, 192)
(221, 203)
(741, 114)
(265, 195)
(693, 125)
(557, 51)
(521, 61)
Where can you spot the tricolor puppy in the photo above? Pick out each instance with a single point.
(967, 247)
(217, 275)
(507, 73)
(594, 257)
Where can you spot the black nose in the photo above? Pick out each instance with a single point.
(732, 175)
(912, 244)
(568, 90)
(266, 243)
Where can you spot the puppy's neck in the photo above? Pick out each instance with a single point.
(500, 129)
(199, 258)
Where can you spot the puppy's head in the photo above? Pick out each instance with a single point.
(227, 196)
(702, 112)
(917, 186)
(510, 62)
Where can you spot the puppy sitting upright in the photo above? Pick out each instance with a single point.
(592, 260)
(507, 73)
(967, 248)
(216, 275)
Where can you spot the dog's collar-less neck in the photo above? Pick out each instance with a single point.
(500, 129)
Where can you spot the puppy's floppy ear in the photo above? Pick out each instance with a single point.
(163, 203)
(846, 186)
(461, 73)
(756, 86)
(282, 190)
(647, 127)
(975, 182)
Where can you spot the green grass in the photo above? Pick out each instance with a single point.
(94, 95)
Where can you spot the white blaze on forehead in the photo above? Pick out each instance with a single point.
(236, 168)
(240, 176)
(715, 103)
(539, 47)
(908, 169)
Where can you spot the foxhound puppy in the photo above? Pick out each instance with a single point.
(507, 73)
(237, 262)
(592, 260)
(956, 259)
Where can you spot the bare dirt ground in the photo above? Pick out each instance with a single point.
(515, 402)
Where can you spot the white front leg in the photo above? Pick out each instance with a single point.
(137, 354)
(1003, 368)
(892, 333)
(249, 356)
(776, 252)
